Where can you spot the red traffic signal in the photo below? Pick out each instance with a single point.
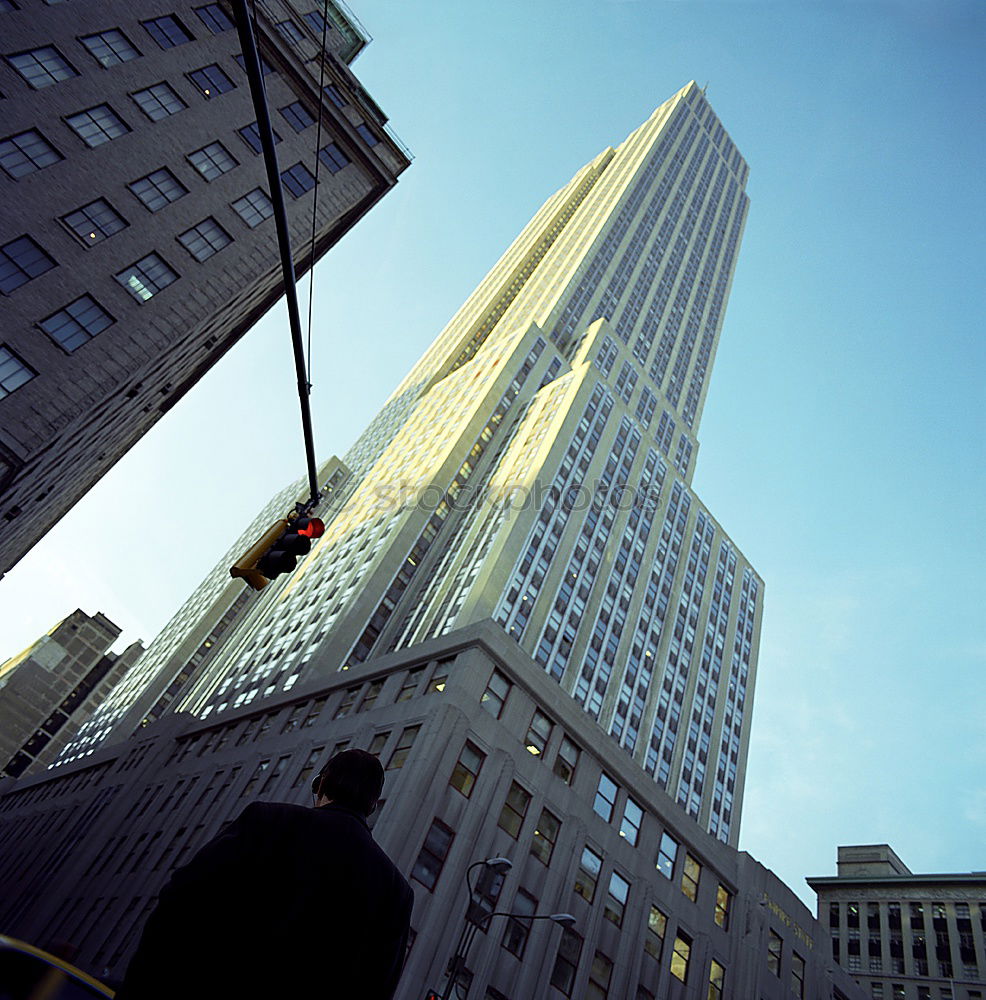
(277, 550)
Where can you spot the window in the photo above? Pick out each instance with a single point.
(538, 733)
(434, 851)
(666, 855)
(254, 207)
(212, 161)
(657, 925)
(333, 93)
(214, 18)
(315, 21)
(289, 31)
(691, 873)
(94, 222)
(364, 130)
(293, 721)
(616, 899)
(250, 134)
(310, 764)
(605, 797)
(438, 681)
(297, 179)
(798, 975)
(495, 694)
(410, 685)
(633, 816)
(97, 125)
(42, 67)
(26, 152)
(167, 31)
(333, 158)
(369, 699)
(145, 278)
(298, 116)
(723, 899)
(566, 961)
(467, 769)
(600, 973)
(774, 954)
(158, 189)
(348, 700)
(110, 47)
(211, 80)
(205, 239)
(517, 930)
(545, 836)
(588, 874)
(77, 323)
(566, 761)
(514, 810)
(20, 261)
(255, 777)
(717, 981)
(265, 67)
(403, 748)
(680, 955)
(158, 101)
(378, 742)
(13, 372)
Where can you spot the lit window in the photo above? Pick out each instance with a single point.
(158, 189)
(616, 899)
(146, 277)
(94, 222)
(717, 981)
(605, 797)
(666, 855)
(254, 207)
(77, 323)
(167, 31)
(545, 837)
(289, 31)
(774, 954)
(657, 925)
(20, 261)
(110, 47)
(437, 683)
(211, 81)
(467, 769)
(205, 239)
(723, 899)
(97, 125)
(495, 695)
(633, 816)
(567, 759)
(514, 810)
(333, 157)
(26, 152)
(333, 93)
(690, 874)
(297, 116)
(680, 956)
(403, 748)
(212, 161)
(539, 733)
(298, 179)
(214, 18)
(588, 874)
(42, 67)
(13, 372)
(364, 130)
(158, 101)
(434, 851)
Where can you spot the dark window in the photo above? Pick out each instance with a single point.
(20, 261)
(146, 277)
(403, 748)
(774, 954)
(566, 961)
(42, 67)
(310, 764)
(616, 899)
(333, 93)
(110, 47)
(518, 928)
(605, 797)
(26, 152)
(797, 975)
(289, 31)
(158, 101)
(94, 222)
(333, 157)
(567, 759)
(265, 67)
(600, 973)
(167, 31)
(205, 239)
(13, 374)
(588, 874)
(214, 18)
(434, 851)
(514, 810)
(298, 179)
(298, 116)
(364, 130)
(251, 136)
(78, 322)
(316, 22)
(467, 769)
(158, 189)
(97, 125)
(657, 925)
(254, 207)
(545, 837)
(212, 161)
(211, 80)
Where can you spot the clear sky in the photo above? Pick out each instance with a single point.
(842, 445)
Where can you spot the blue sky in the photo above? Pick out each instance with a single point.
(842, 444)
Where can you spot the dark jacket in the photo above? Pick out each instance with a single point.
(286, 902)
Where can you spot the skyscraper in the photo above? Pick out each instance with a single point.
(138, 244)
(534, 468)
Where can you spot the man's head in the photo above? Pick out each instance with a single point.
(353, 778)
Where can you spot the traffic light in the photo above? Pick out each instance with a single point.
(277, 550)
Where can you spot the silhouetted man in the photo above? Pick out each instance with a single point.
(286, 902)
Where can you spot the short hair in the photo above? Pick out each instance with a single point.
(352, 778)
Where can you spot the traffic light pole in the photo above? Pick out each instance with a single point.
(251, 61)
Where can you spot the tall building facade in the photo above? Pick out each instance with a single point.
(904, 936)
(137, 243)
(53, 686)
(534, 468)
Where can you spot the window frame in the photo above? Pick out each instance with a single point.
(87, 332)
